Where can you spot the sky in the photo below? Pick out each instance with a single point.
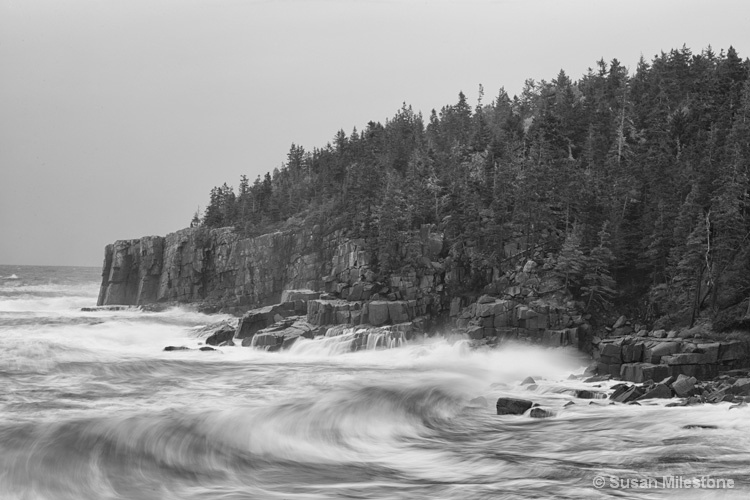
(117, 117)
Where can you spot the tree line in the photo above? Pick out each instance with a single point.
(634, 186)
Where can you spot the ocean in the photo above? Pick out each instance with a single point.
(92, 407)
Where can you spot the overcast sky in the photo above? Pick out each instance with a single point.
(117, 117)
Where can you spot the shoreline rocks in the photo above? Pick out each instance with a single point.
(734, 388)
(640, 358)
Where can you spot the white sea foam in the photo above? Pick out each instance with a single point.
(94, 408)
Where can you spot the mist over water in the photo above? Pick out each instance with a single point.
(92, 407)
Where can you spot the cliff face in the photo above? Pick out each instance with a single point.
(219, 270)
(214, 267)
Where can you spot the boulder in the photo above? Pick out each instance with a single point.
(220, 336)
(654, 353)
(267, 339)
(741, 387)
(528, 380)
(659, 391)
(280, 334)
(176, 348)
(586, 394)
(622, 331)
(485, 299)
(716, 396)
(627, 394)
(620, 322)
(258, 319)
(538, 412)
(669, 380)
(512, 406)
(684, 385)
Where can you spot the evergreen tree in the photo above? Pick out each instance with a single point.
(571, 261)
(598, 283)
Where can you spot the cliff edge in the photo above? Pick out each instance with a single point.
(218, 270)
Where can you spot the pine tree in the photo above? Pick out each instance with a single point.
(598, 283)
(571, 262)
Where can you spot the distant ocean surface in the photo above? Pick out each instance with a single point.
(91, 407)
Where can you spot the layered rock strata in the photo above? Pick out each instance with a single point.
(218, 270)
(650, 357)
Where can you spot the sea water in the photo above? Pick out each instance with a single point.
(92, 407)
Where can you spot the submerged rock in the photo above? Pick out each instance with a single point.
(109, 308)
(176, 348)
(512, 406)
(479, 401)
(539, 412)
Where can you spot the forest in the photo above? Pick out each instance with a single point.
(635, 187)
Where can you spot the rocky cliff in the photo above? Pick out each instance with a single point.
(214, 268)
(218, 270)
